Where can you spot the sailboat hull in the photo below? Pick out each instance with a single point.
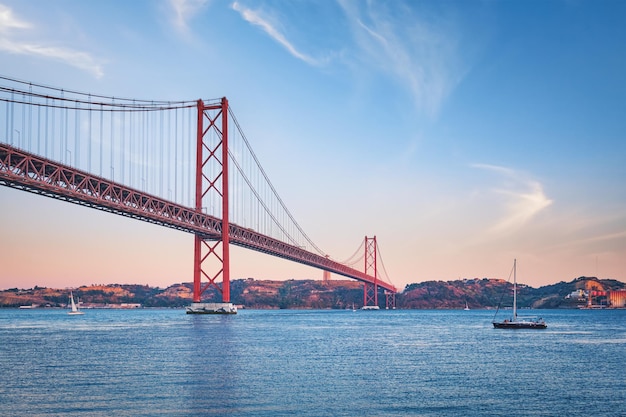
(520, 325)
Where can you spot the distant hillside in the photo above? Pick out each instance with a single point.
(247, 292)
(311, 294)
(486, 293)
(555, 295)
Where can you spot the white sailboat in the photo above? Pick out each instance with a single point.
(514, 322)
(75, 311)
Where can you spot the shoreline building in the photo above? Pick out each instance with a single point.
(617, 298)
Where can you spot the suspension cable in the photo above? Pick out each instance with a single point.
(230, 111)
(350, 260)
(380, 256)
(121, 102)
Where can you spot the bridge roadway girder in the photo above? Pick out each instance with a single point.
(25, 171)
(252, 240)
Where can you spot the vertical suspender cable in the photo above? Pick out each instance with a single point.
(167, 167)
(123, 155)
(131, 136)
(175, 152)
(161, 152)
(77, 138)
(39, 129)
(140, 157)
(45, 150)
(30, 116)
(101, 136)
(111, 143)
(11, 129)
(152, 150)
(23, 132)
(144, 157)
(6, 127)
(53, 130)
(150, 172)
(89, 139)
(143, 151)
(62, 139)
(187, 139)
(66, 128)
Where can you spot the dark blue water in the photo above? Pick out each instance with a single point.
(311, 363)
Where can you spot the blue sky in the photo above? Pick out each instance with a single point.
(462, 134)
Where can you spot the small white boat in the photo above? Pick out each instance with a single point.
(370, 308)
(75, 311)
(466, 307)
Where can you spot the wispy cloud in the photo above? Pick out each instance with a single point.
(263, 21)
(421, 55)
(9, 21)
(524, 198)
(11, 26)
(184, 11)
(600, 238)
(597, 229)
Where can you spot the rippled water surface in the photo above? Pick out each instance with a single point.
(310, 363)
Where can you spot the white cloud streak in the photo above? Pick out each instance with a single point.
(257, 18)
(524, 198)
(422, 56)
(8, 21)
(9, 42)
(184, 11)
(600, 238)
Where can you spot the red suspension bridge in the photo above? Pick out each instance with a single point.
(185, 165)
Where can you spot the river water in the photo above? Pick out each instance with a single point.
(310, 363)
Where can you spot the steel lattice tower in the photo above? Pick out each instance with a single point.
(211, 256)
(370, 290)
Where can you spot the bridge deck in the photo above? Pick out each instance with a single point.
(25, 171)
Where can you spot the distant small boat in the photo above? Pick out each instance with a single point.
(370, 308)
(466, 307)
(514, 323)
(75, 311)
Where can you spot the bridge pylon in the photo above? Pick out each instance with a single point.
(212, 256)
(390, 300)
(370, 290)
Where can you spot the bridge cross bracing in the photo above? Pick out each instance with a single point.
(181, 164)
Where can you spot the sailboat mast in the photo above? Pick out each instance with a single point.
(514, 289)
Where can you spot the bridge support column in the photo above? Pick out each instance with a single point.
(211, 255)
(390, 298)
(370, 290)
